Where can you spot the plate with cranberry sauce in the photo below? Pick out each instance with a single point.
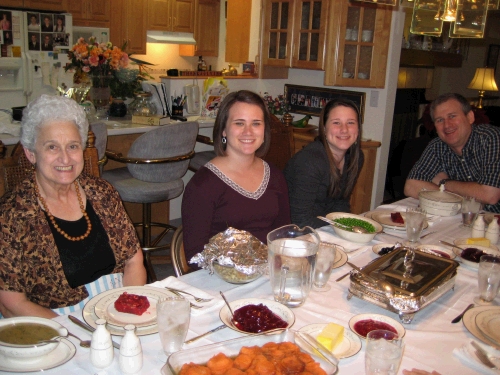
(470, 254)
(361, 324)
(256, 315)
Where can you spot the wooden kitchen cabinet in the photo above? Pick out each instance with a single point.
(171, 15)
(294, 33)
(357, 44)
(129, 24)
(206, 30)
(95, 13)
(361, 197)
(53, 5)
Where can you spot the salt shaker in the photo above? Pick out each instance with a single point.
(493, 231)
(130, 359)
(478, 227)
(101, 348)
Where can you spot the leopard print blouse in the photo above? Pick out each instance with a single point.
(29, 260)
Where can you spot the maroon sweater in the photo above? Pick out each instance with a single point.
(212, 203)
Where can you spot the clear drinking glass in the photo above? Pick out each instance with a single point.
(384, 350)
(415, 219)
(470, 209)
(325, 258)
(488, 279)
(173, 322)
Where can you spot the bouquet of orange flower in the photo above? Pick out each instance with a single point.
(96, 58)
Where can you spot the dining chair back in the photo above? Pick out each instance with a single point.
(156, 163)
(178, 255)
(282, 145)
(16, 167)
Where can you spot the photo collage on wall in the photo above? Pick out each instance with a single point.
(5, 27)
(46, 31)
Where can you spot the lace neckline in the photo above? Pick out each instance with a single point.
(252, 195)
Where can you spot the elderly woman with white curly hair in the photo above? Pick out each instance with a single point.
(64, 236)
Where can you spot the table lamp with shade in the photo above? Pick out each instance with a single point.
(484, 80)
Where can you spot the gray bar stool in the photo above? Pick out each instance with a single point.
(156, 162)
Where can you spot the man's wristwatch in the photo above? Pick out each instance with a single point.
(443, 182)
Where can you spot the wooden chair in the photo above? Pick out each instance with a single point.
(15, 168)
(177, 254)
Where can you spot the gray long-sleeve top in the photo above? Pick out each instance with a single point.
(307, 174)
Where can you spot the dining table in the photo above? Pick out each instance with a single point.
(431, 341)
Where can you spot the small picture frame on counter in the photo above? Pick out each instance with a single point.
(249, 68)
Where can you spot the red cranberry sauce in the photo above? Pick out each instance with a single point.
(367, 325)
(257, 318)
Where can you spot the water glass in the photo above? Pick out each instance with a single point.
(173, 322)
(325, 258)
(384, 350)
(415, 220)
(488, 279)
(470, 209)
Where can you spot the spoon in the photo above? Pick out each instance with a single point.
(229, 307)
(353, 228)
(387, 287)
(83, 343)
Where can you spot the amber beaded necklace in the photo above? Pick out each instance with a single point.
(53, 221)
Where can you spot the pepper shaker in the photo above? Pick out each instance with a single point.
(478, 227)
(130, 359)
(101, 348)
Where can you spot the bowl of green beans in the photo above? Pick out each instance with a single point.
(347, 220)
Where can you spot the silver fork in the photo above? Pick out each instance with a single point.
(190, 303)
(197, 299)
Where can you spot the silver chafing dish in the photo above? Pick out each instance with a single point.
(418, 279)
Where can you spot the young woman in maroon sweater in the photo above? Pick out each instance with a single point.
(237, 188)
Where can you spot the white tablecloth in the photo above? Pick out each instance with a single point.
(430, 339)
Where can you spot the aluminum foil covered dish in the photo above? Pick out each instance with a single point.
(234, 255)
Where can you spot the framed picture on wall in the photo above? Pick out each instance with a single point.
(311, 100)
(492, 59)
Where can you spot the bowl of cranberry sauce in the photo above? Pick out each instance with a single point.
(361, 324)
(255, 315)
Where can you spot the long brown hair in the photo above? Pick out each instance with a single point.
(242, 96)
(352, 169)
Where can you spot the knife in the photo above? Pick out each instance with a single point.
(459, 317)
(83, 325)
(483, 355)
(316, 345)
(205, 334)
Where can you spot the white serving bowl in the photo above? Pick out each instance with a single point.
(352, 236)
(441, 203)
(29, 352)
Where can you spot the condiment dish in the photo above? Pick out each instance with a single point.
(352, 236)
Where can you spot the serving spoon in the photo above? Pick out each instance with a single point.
(228, 306)
(353, 228)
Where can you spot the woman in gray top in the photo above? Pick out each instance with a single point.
(321, 177)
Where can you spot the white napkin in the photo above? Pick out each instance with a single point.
(172, 282)
(466, 355)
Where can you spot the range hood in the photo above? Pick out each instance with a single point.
(154, 36)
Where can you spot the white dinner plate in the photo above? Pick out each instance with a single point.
(281, 310)
(60, 355)
(488, 322)
(340, 258)
(463, 241)
(90, 316)
(469, 321)
(468, 263)
(383, 217)
(105, 309)
(378, 318)
(347, 348)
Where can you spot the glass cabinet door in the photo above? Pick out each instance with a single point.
(357, 50)
(309, 34)
(277, 38)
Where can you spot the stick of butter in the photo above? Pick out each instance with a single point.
(331, 336)
(481, 241)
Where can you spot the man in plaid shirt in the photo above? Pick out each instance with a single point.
(465, 158)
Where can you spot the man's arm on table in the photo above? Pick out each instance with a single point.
(413, 187)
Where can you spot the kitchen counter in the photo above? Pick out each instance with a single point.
(118, 126)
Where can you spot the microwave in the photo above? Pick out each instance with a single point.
(100, 33)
